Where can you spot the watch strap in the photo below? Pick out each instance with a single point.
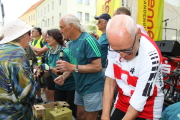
(76, 69)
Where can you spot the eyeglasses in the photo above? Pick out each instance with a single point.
(48, 37)
(99, 21)
(34, 31)
(124, 51)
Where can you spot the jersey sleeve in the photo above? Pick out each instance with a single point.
(146, 88)
(66, 53)
(111, 57)
(45, 44)
(92, 48)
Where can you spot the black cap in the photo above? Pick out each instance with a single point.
(103, 16)
(39, 30)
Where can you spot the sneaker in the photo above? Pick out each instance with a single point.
(39, 100)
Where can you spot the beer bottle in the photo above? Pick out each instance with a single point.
(60, 58)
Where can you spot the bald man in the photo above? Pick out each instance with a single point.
(126, 11)
(136, 71)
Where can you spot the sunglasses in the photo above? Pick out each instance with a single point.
(99, 21)
(124, 51)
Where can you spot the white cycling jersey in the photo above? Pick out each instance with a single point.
(139, 80)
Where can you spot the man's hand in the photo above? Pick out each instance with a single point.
(60, 80)
(45, 66)
(105, 117)
(64, 66)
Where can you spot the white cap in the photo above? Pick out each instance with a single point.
(14, 29)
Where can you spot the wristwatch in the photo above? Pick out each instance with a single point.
(50, 68)
(76, 69)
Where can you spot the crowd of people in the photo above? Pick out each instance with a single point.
(121, 69)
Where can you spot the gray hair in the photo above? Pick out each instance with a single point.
(44, 31)
(69, 18)
(122, 22)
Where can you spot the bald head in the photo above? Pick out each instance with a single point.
(123, 35)
(120, 25)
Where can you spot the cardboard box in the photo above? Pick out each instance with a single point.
(37, 111)
(63, 104)
(50, 106)
(63, 113)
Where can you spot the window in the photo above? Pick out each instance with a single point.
(45, 23)
(86, 16)
(52, 5)
(29, 18)
(79, 1)
(87, 2)
(48, 22)
(48, 7)
(59, 16)
(52, 20)
(41, 12)
(79, 16)
(44, 10)
(38, 14)
(34, 17)
(59, 2)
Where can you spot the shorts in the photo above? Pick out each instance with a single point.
(92, 102)
(50, 83)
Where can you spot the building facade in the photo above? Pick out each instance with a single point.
(48, 12)
(30, 15)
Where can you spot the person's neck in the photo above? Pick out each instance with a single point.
(103, 31)
(37, 38)
(76, 35)
(54, 46)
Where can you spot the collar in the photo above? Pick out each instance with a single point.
(56, 49)
(14, 43)
(40, 38)
(138, 49)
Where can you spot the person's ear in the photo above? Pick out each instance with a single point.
(106, 22)
(71, 25)
(139, 33)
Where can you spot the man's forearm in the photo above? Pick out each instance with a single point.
(67, 74)
(108, 96)
(39, 51)
(94, 67)
(131, 114)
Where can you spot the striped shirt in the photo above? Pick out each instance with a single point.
(139, 80)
